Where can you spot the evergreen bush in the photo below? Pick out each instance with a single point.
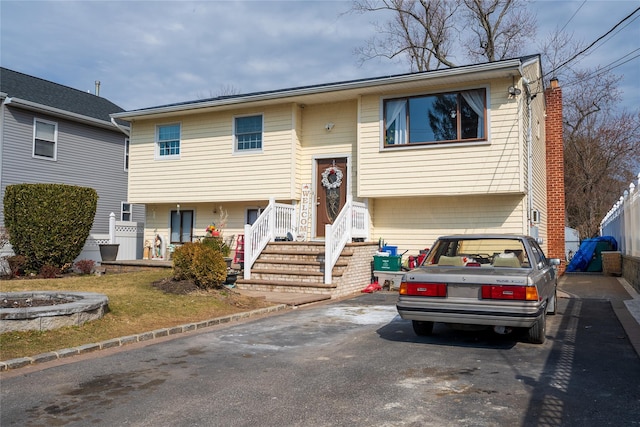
(200, 263)
(48, 224)
(217, 244)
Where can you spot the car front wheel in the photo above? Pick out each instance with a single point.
(422, 328)
(537, 333)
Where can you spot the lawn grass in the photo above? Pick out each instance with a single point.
(135, 306)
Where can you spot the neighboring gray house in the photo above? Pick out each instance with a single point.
(50, 133)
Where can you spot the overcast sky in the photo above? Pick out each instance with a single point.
(150, 53)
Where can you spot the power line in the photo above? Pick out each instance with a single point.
(594, 42)
(572, 16)
(604, 69)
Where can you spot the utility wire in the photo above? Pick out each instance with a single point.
(572, 16)
(594, 42)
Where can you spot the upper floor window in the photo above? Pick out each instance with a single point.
(45, 137)
(168, 140)
(248, 133)
(435, 119)
(126, 154)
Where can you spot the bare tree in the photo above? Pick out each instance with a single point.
(224, 91)
(600, 146)
(423, 32)
(500, 28)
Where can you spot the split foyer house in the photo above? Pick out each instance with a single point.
(402, 158)
(50, 133)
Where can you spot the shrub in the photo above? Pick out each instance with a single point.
(85, 266)
(217, 244)
(48, 271)
(16, 265)
(49, 223)
(200, 263)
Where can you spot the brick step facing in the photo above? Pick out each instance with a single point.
(297, 262)
(293, 267)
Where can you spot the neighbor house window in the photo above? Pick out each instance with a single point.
(45, 136)
(125, 212)
(181, 226)
(168, 140)
(248, 133)
(126, 154)
(435, 119)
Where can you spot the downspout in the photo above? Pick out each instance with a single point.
(6, 100)
(528, 100)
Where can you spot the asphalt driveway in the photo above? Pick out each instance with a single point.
(347, 363)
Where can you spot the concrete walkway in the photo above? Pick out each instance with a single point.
(624, 299)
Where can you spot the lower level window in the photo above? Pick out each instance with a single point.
(181, 226)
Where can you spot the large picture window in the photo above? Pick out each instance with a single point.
(45, 136)
(168, 140)
(435, 119)
(181, 226)
(248, 133)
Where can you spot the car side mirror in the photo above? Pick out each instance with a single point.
(554, 261)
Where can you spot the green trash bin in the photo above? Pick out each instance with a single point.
(595, 265)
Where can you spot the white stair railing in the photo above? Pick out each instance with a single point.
(277, 220)
(352, 222)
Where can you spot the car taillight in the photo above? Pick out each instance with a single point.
(522, 293)
(423, 289)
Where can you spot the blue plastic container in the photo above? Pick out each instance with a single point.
(391, 250)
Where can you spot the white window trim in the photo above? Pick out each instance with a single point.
(55, 140)
(486, 141)
(123, 211)
(157, 142)
(233, 131)
(127, 147)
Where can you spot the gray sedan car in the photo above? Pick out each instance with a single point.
(481, 281)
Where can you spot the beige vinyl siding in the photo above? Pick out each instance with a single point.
(297, 147)
(317, 142)
(208, 169)
(538, 139)
(414, 223)
(158, 219)
(483, 168)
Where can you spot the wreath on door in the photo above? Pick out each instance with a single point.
(332, 177)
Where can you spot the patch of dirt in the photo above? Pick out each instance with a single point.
(177, 287)
(230, 296)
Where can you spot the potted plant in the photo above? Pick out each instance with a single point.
(109, 251)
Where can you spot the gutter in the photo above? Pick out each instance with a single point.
(33, 106)
(324, 88)
(125, 130)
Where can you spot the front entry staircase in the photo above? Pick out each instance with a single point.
(288, 267)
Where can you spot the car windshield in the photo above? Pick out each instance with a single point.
(484, 252)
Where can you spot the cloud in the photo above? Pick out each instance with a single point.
(149, 53)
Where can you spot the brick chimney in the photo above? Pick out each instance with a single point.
(555, 174)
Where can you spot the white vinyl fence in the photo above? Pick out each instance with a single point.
(128, 234)
(623, 221)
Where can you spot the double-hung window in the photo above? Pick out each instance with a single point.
(168, 141)
(125, 211)
(435, 119)
(45, 139)
(248, 133)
